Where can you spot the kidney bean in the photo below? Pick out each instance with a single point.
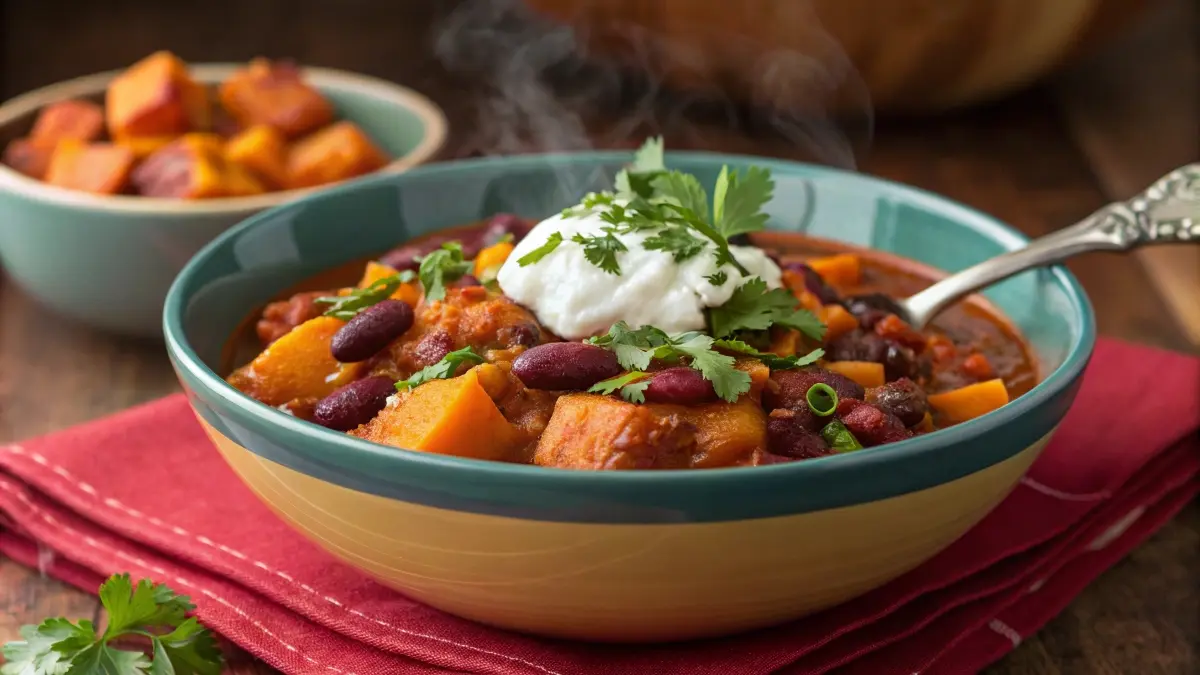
(870, 308)
(788, 436)
(793, 385)
(857, 345)
(354, 404)
(404, 257)
(371, 330)
(522, 334)
(506, 223)
(565, 365)
(870, 425)
(814, 284)
(434, 347)
(899, 361)
(466, 281)
(681, 385)
(902, 398)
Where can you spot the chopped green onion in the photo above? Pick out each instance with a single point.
(822, 399)
(839, 437)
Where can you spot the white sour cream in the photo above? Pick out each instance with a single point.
(575, 299)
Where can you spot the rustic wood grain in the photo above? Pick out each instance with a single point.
(1017, 160)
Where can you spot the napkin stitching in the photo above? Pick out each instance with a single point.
(54, 522)
(1065, 496)
(118, 506)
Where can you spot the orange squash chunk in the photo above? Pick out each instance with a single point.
(337, 152)
(490, 259)
(727, 434)
(144, 146)
(156, 97)
(843, 269)
(68, 120)
(193, 167)
(262, 150)
(374, 271)
(866, 373)
(274, 94)
(29, 157)
(838, 321)
(971, 401)
(297, 365)
(446, 417)
(593, 432)
(101, 168)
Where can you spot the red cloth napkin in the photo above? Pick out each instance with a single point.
(145, 492)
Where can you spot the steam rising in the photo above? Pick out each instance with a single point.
(543, 94)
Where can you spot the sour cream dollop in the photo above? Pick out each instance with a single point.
(576, 299)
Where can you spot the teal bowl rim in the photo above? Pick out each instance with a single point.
(1050, 397)
(431, 141)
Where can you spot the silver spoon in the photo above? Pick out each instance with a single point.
(1167, 212)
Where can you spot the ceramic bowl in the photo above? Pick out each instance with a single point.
(617, 556)
(108, 260)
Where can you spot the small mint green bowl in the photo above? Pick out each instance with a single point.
(617, 555)
(107, 261)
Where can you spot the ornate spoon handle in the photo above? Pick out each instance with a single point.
(1167, 212)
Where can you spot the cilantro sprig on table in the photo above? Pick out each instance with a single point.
(154, 613)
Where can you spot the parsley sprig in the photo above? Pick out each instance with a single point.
(345, 307)
(179, 645)
(442, 266)
(631, 385)
(442, 370)
(636, 348)
(753, 307)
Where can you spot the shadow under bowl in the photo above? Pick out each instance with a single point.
(609, 555)
(108, 261)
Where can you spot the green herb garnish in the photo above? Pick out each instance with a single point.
(648, 161)
(345, 307)
(631, 385)
(442, 266)
(601, 250)
(821, 399)
(542, 251)
(442, 370)
(772, 361)
(838, 437)
(717, 278)
(753, 307)
(179, 645)
(635, 349)
(677, 241)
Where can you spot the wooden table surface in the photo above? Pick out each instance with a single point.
(1040, 160)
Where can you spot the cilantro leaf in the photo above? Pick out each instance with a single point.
(601, 250)
(60, 647)
(345, 307)
(440, 267)
(685, 190)
(648, 162)
(753, 307)
(630, 386)
(542, 251)
(634, 348)
(728, 381)
(441, 370)
(674, 240)
(717, 279)
(738, 201)
(772, 361)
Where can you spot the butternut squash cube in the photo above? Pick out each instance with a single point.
(727, 434)
(29, 157)
(589, 431)
(193, 167)
(337, 152)
(101, 168)
(263, 150)
(68, 120)
(156, 97)
(446, 417)
(273, 93)
(297, 365)
(144, 146)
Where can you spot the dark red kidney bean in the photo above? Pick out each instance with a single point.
(787, 436)
(898, 362)
(681, 385)
(371, 330)
(903, 398)
(857, 345)
(434, 347)
(814, 284)
(519, 335)
(506, 223)
(354, 404)
(870, 425)
(793, 386)
(869, 309)
(559, 366)
(466, 280)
